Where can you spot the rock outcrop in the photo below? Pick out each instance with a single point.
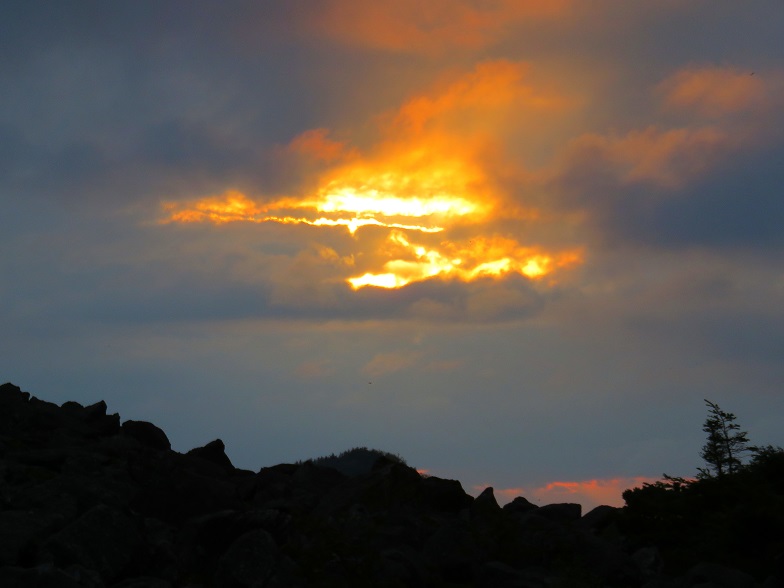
(88, 502)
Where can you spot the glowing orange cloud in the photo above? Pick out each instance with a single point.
(480, 257)
(431, 174)
(230, 207)
(485, 100)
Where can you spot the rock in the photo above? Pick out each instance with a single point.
(18, 531)
(95, 416)
(272, 483)
(102, 539)
(718, 576)
(495, 574)
(213, 452)
(170, 491)
(82, 506)
(519, 506)
(143, 582)
(401, 567)
(563, 512)
(315, 480)
(383, 489)
(648, 561)
(485, 503)
(44, 576)
(86, 578)
(10, 394)
(72, 407)
(445, 495)
(250, 561)
(147, 434)
(452, 549)
(599, 517)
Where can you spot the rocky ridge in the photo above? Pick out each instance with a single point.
(88, 501)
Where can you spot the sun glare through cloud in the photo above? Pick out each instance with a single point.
(430, 181)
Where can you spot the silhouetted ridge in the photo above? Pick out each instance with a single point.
(88, 502)
(357, 461)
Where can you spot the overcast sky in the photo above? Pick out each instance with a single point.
(516, 242)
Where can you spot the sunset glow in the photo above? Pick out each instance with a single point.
(376, 201)
(354, 208)
(589, 493)
(478, 258)
(433, 178)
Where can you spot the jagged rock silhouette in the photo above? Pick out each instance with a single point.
(88, 502)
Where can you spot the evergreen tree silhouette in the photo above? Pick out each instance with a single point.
(725, 445)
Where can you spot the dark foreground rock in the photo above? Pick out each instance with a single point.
(88, 502)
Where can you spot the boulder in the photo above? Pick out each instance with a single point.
(485, 505)
(43, 576)
(599, 517)
(147, 434)
(718, 576)
(10, 394)
(495, 574)
(519, 506)
(103, 539)
(95, 416)
(562, 512)
(213, 452)
(445, 495)
(18, 530)
(452, 550)
(251, 560)
(173, 493)
(143, 582)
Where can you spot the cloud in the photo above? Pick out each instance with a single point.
(421, 203)
(666, 158)
(411, 27)
(700, 172)
(315, 369)
(315, 143)
(490, 97)
(716, 92)
(389, 363)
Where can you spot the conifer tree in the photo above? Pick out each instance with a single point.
(725, 445)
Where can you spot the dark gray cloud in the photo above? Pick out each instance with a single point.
(733, 205)
(740, 206)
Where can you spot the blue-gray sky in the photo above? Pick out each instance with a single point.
(611, 252)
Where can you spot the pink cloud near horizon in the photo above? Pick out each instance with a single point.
(589, 493)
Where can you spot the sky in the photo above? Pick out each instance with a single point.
(517, 243)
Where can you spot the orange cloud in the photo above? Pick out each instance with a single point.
(589, 493)
(316, 144)
(430, 181)
(428, 27)
(715, 91)
(665, 157)
(492, 96)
